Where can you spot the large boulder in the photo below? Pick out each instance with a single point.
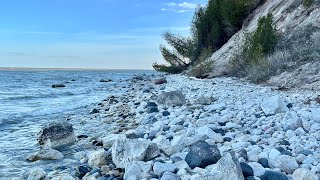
(126, 150)
(273, 105)
(173, 98)
(56, 135)
(202, 154)
(285, 163)
(45, 154)
(227, 168)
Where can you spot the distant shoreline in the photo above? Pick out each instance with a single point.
(66, 69)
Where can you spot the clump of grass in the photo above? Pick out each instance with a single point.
(251, 61)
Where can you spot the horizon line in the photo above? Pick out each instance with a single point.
(58, 68)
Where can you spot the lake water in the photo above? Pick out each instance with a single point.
(27, 101)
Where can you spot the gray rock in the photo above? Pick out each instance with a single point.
(205, 100)
(271, 175)
(45, 154)
(152, 109)
(37, 174)
(159, 168)
(136, 169)
(202, 154)
(94, 111)
(227, 168)
(128, 150)
(247, 170)
(169, 176)
(160, 81)
(56, 135)
(173, 98)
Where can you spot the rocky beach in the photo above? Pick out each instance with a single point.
(176, 127)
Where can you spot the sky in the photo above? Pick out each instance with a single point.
(108, 34)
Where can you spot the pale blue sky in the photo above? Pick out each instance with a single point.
(113, 34)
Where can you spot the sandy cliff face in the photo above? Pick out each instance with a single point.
(289, 16)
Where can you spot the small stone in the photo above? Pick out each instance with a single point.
(165, 113)
(290, 105)
(258, 169)
(246, 169)
(160, 81)
(169, 176)
(58, 86)
(94, 111)
(227, 139)
(271, 175)
(82, 171)
(151, 104)
(243, 153)
(152, 109)
(284, 142)
(264, 162)
(45, 154)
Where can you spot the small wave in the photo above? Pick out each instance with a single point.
(38, 96)
(15, 118)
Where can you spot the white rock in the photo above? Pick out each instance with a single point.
(128, 150)
(226, 168)
(46, 154)
(258, 169)
(110, 139)
(182, 165)
(273, 105)
(98, 158)
(304, 174)
(169, 176)
(37, 174)
(159, 168)
(285, 163)
(136, 169)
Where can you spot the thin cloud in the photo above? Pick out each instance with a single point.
(179, 7)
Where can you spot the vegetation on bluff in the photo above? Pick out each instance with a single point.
(211, 27)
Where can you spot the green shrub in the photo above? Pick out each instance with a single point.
(308, 3)
(256, 47)
(167, 69)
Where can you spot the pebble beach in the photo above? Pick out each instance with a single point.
(176, 127)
